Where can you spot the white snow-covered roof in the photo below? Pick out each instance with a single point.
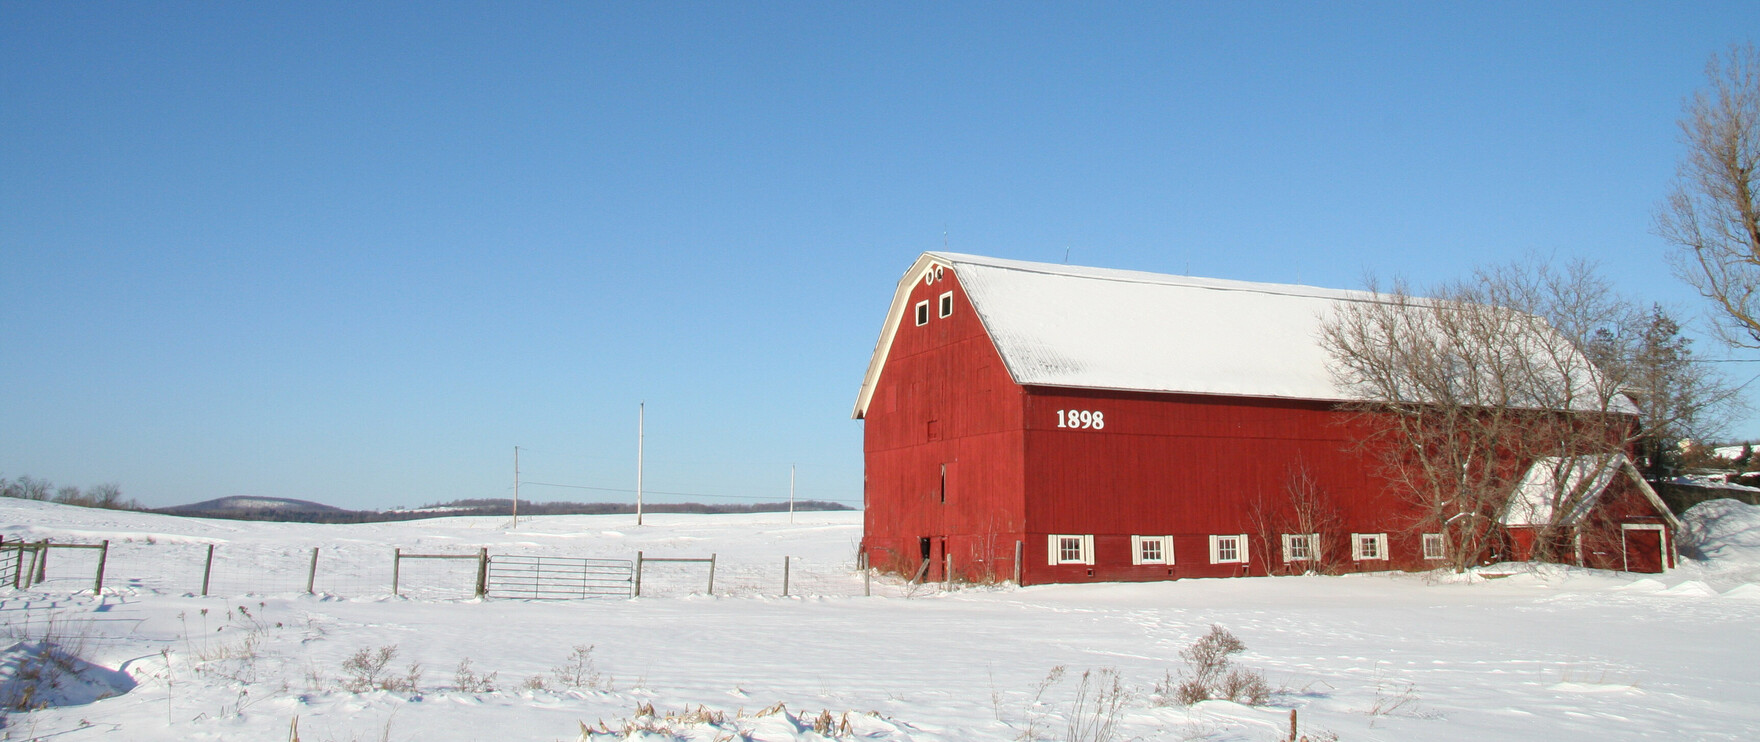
(1095, 328)
(1532, 502)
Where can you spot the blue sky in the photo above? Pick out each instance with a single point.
(356, 253)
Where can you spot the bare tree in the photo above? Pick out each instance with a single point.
(1677, 396)
(106, 495)
(1305, 510)
(1517, 378)
(1712, 214)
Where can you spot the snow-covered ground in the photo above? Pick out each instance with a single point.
(1557, 654)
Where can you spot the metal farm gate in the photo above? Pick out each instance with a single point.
(559, 578)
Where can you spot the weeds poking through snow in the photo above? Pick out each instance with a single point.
(706, 723)
(1391, 696)
(46, 666)
(1092, 716)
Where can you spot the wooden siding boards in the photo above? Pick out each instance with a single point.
(1188, 466)
(946, 372)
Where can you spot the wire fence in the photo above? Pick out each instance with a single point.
(371, 571)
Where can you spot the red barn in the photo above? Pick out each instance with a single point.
(1119, 425)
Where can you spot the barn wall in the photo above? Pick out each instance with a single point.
(943, 399)
(1190, 466)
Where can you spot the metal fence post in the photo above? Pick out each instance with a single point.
(711, 574)
(638, 575)
(312, 575)
(785, 577)
(207, 569)
(103, 556)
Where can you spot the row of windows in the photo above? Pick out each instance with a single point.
(923, 308)
(1230, 549)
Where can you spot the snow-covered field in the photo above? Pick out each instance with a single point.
(1555, 654)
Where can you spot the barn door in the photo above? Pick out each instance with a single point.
(1643, 547)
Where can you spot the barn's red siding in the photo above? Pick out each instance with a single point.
(1189, 466)
(962, 460)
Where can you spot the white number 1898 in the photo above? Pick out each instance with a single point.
(1090, 419)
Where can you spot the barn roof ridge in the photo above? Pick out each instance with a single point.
(1164, 279)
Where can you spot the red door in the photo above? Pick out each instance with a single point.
(1643, 545)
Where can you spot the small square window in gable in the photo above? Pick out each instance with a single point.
(922, 313)
(947, 304)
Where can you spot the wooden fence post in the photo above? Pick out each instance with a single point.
(638, 575)
(103, 556)
(482, 571)
(18, 567)
(947, 572)
(785, 577)
(711, 574)
(312, 574)
(42, 560)
(1019, 546)
(396, 568)
(207, 570)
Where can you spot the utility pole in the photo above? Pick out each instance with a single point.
(791, 494)
(641, 415)
(516, 486)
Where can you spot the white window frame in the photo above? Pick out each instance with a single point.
(922, 312)
(945, 305)
(1358, 553)
(1309, 540)
(1240, 549)
(1165, 542)
(1054, 549)
(1435, 547)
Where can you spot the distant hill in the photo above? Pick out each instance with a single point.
(245, 507)
(249, 507)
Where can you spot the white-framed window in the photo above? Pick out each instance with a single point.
(1228, 549)
(1365, 546)
(922, 312)
(947, 304)
(1301, 547)
(1066, 548)
(1151, 550)
(1435, 547)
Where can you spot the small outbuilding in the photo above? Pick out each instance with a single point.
(1053, 423)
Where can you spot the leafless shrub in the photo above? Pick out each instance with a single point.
(369, 669)
(1211, 674)
(580, 672)
(467, 680)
